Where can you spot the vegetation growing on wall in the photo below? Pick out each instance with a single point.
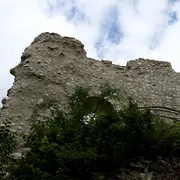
(93, 139)
(7, 145)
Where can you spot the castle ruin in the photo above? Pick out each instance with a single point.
(53, 65)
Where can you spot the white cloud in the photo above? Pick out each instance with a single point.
(143, 24)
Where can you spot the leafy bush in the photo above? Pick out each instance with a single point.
(93, 139)
(7, 145)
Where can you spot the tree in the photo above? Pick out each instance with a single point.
(7, 145)
(91, 140)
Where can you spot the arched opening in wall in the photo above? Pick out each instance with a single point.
(96, 107)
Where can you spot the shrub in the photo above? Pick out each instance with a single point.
(7, 145)
(93, 139)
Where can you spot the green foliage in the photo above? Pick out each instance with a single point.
(93, 139)
(7, 145)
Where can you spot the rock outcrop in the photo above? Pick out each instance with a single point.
(53, 65)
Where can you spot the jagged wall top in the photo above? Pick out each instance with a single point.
(53, 65)
(139, 63)
(149, 65)
(52, 37)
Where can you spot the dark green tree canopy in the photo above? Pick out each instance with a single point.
(92, 139)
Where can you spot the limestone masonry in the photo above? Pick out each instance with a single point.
(53, 65)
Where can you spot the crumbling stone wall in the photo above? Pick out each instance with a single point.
(53, 65)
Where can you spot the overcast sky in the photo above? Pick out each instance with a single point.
(117, 30)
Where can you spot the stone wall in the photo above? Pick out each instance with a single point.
(53, 65)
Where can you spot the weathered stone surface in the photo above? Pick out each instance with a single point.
(53, 65)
